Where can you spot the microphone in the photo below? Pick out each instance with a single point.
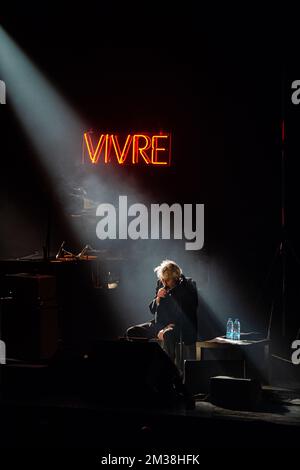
(168, 291)
(59, 253)
(84, 251)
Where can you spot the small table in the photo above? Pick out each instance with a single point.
(254, 354)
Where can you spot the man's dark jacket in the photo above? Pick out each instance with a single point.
(178, 307)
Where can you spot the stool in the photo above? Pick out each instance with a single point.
(184, 352)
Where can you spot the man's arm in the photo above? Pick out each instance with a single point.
(152, 306)
(159, 293)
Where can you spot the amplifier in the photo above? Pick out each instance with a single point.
(29, 317)
(235, 393)
(30, 288)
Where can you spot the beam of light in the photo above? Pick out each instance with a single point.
(51, 125)
(2, 92)
(56, 132)
(48, 121)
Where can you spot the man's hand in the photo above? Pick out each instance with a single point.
(161, 293)
(161, 333)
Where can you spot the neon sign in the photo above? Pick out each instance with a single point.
(133, 149)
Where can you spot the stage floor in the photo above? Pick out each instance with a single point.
(66, 422)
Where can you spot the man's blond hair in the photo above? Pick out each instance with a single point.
(168, 269)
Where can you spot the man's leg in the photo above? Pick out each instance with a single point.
(170, 340)
(142, 331)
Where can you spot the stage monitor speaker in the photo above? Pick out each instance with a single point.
(235, 393)
(122, 372)
(197, 374)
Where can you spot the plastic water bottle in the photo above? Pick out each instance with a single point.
(229, 329)
(236, 330)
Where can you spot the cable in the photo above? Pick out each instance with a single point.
(282, 358)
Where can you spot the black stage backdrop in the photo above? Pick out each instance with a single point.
(222, 86)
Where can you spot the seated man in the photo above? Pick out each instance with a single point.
(174, 308)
